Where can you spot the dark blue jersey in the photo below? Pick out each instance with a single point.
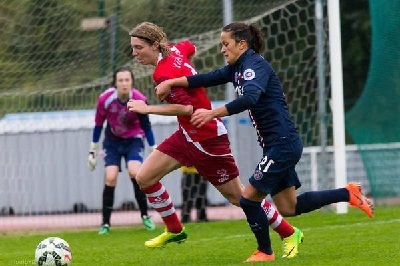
(260, 91)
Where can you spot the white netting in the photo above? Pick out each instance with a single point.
(50, 64)
(194, 197)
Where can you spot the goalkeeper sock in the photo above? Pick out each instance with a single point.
(108, 202)
(141, 198)
(313, 200)
(162, 203)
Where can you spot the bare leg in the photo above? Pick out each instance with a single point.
(232, 191)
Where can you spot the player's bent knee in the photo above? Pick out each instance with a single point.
(111, 181)
(145, 181)
(287, 212)
(141, 181)
(234, 200)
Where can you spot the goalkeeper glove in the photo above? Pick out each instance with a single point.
(92, 156)
(152, 148)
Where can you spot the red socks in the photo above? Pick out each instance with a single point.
(162, 203)
(276, 221)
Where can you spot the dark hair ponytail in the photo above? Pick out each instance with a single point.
(257, 38)
(250, 33)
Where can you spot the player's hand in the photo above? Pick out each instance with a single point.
(163, 90)
(137, 106)
(92, 156)
(201, 116)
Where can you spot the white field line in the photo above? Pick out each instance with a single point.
(326, 227)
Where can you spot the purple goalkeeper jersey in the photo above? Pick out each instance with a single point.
(120, 122)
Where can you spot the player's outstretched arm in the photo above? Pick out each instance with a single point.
(141, 107)
(164, 88)
(202, 116)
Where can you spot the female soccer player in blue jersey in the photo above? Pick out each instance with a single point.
(260, 92)
(123, 138)
(206, 148)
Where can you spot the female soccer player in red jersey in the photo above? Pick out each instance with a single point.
(206, 148)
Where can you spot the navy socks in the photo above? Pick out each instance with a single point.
(258, 223)
(312, 200)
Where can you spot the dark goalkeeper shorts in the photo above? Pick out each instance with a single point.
(131, 149)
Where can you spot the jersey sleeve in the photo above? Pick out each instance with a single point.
(255, 80)
(174, 67)
(186, 48)
(145, 124)
(216, 77)
(179, 96)
(100, 115)
(137, 95)
(256, 75)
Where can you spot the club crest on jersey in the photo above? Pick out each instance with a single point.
(249, 74)
(113, 108)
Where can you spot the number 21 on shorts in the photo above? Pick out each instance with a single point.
(265, 164)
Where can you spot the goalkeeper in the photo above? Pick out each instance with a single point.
(124, 135)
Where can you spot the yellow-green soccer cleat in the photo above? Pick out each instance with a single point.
(165, 238)
(291, 243)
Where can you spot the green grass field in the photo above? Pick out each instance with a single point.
(330, 239)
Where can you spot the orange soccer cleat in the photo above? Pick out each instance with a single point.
(258, 256)
(357, 199)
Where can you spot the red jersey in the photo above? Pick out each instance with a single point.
(175, 66)
(184, 48)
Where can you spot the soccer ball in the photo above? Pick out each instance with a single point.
(53, 251)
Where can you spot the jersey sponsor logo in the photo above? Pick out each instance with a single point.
(177, 62)
(249, 74)
(238, 76)
(239, 90)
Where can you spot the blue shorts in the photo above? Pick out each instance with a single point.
(276, 170)
(131, 149)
